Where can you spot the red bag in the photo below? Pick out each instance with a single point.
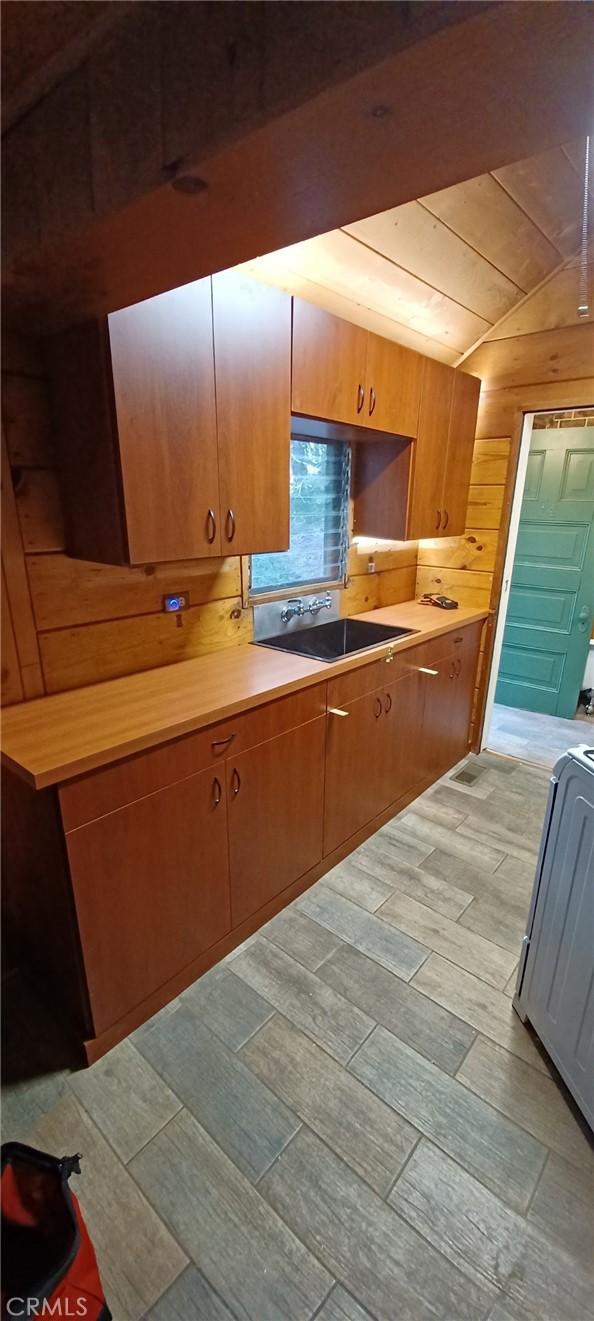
(49, 1267)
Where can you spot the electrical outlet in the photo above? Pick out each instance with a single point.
(371, 565)
(176, 602)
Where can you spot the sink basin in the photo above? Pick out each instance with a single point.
(339, 637)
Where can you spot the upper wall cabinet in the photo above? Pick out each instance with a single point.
(252, 338)
(346, 374)
(329, 357)
(158, 461)
(410, 491)
(442, 456)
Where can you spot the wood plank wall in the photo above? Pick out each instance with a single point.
(67, 622)
(544, 370)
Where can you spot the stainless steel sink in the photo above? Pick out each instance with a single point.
(337, 638)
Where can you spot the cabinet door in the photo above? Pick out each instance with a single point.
(275, 797)
(328, 365)
(393, 379)
(425, 511)
(439, 716)
(461, 434)
(151, 888)
(464, 683)
(252, 329)
(163, 383)
(357, 772)
(404, 702)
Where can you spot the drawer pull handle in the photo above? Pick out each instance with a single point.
(424, 669)
(211, 526)
(447, 519)
(372, 401)
(235, 782)
(388, 703)
(217, 792)
(222, 742)
(360, 397)
(337, 711)
(377, 707)
(438, 512)
(458, 667)
(230, 525)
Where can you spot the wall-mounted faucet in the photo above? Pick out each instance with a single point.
(295, 609)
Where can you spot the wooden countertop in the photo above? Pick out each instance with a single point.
(55, 738)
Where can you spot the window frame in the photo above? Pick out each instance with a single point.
(250, 598)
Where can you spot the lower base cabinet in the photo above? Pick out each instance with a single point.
(275, 794)
(151, 890)
(150, 866)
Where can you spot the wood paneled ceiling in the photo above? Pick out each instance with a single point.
(494, 257)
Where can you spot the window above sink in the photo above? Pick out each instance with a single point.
(319, 495)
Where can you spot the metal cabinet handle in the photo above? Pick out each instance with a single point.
(372, 400)
(424, 669)
(217, 792)
(222, 742)
(452, 669)
(211, 526)
(360, 397)
(438, 512)
(235, 782)
(447, 519)
(377, 707)
(230, 525)
(458, 667)
(388, 703)
(337, 711)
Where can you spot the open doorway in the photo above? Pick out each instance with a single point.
(540, 696)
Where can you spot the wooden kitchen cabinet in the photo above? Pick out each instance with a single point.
(150, 884)
(393, 380)
(425, 510)
(461, 434)
(135, 420)
(252, 339)
(357, 767)
(275, 795)
(329, 357)
(186, 436)
(342, 373)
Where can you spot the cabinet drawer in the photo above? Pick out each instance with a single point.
(103, 791)
(356, 683)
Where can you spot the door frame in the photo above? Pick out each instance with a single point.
(508, 557)
(508, 565)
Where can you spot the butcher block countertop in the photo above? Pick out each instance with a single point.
(55, 738)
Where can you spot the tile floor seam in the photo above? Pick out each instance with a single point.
(106, 1137)
(398, 1176)
(431, 951)
(516, 1122)
(277, 1154)
(417, 1232)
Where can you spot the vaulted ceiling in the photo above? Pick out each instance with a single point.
(493, 257)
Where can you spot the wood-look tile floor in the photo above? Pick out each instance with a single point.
(345, 1119)
(536, 738)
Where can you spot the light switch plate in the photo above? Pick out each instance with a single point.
(176, 602)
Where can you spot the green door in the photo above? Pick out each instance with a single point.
(551, 599)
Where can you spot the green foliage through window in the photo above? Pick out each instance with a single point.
(319, 521)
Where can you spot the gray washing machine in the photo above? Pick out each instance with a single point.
(555, 987)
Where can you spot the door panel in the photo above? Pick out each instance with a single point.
(405, 721)
(163, 380)
(460, 449)
(151, 888)
(393, 379)
(328, 365)
(356, 768)
(551, 601)
(275, 809)
(252, 330)
(425, 515)
(437, 728)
